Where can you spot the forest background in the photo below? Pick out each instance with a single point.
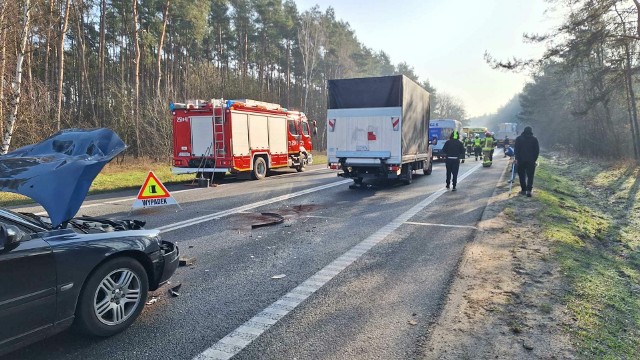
(119, 64)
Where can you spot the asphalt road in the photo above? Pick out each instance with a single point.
(397, 248)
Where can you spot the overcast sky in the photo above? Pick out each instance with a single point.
(445, 40)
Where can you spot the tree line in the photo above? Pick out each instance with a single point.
(583, 93)
(119, 63)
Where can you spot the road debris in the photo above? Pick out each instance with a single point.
(152, 301)
(268, 219)
(174, 291)
(412, 322)
(280, 276)
(187, 260)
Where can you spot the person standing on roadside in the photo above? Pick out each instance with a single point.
(455, 152)
(527, 150)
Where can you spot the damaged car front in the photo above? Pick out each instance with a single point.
(59, 269)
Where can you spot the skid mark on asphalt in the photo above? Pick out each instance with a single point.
(237, 340)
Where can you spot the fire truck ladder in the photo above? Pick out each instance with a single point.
(219, 135)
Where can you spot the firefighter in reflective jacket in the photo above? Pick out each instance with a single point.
(487, 149)
(477, 147)
(468, 145)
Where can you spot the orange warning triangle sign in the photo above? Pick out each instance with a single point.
(153, 188)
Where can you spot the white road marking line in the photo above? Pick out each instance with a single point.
(302, 292)
(220, 214)
(443, 225)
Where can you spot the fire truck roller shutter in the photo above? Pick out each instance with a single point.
(239, 125)
(258, 132)
(278, 135)
(201, 135)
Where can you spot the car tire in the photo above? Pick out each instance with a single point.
(100, 313)
(260, 168)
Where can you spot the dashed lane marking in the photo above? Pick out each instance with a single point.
(248, 332)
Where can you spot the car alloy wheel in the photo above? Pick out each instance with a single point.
(112, 297)
(117, 297)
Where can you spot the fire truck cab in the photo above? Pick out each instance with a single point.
(211, 138)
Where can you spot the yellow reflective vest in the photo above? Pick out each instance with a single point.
(488, 143)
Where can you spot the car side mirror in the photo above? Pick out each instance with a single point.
(10, 237)
(434, 142)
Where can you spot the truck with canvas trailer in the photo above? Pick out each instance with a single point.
(212, 138)
(377, 128)
(440, 131)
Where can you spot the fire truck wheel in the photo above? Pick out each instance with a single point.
(303, 163)
(218, 175)
(259, 169)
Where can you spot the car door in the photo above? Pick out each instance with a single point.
(27, 287)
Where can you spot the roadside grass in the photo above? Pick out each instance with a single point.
(115, 176)
(591, 218)
(319, 158)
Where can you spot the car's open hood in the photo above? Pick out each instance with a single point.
(58, 171)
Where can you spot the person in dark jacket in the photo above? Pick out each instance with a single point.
(527, 150)
(455, 152)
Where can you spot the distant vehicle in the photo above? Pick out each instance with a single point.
(60, 269)
(480, 131)
(440, 131)
(214, 137)
(378, 128)
(506, 130)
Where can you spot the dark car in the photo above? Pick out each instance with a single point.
(60, 270)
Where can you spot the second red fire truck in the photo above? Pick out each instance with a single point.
(211, 138)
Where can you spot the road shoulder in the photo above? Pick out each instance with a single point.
(505, 301)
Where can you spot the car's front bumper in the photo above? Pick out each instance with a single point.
(167, 263)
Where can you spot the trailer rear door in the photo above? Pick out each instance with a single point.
(364, 136)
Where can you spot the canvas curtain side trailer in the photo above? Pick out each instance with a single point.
(378, 128)
(214, 137)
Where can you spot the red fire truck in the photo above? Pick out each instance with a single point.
(211, 138)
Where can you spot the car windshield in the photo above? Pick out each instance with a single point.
(39, 221)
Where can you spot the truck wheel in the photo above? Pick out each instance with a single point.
(357, 180)
(112, 298)
(259, 169)
(407, 174)
(303, 163)
(218, 175)
(427, 171)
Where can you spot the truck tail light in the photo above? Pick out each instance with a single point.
(394, 167)
(334, 166)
